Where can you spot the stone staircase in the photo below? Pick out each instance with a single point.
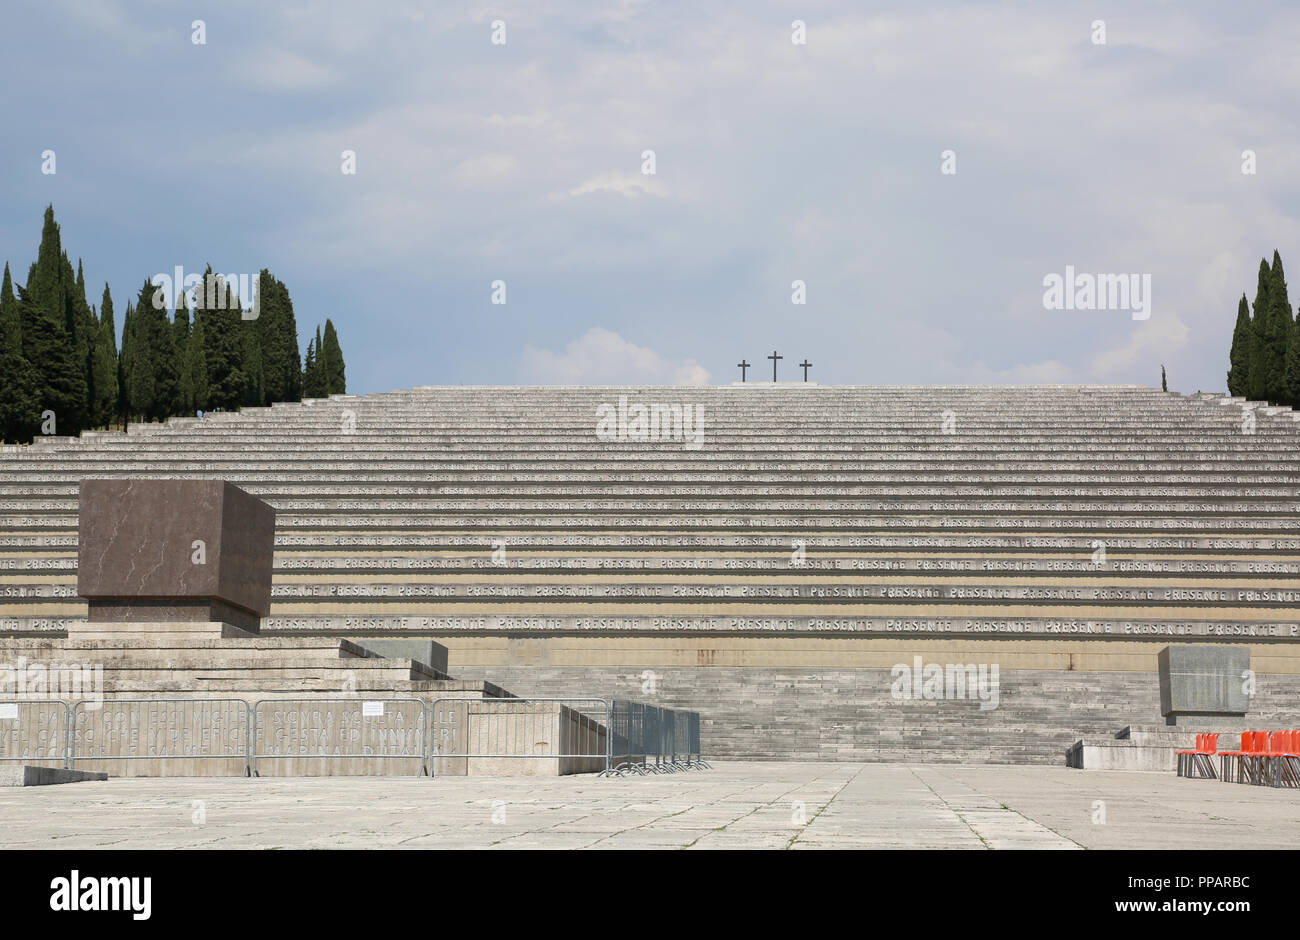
(769, 578)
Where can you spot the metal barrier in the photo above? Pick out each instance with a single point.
(370, 729)
(694, 758)
(572, 732)
(580, 735)
(48, 738)
(648, 739)
(626, 734)
(173, 729)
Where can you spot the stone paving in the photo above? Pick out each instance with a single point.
(734, 806)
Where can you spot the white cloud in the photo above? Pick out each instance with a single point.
(624, 184)
(602, 357)
(1156, 341)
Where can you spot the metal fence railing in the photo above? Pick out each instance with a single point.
(160, 729)
(319, 730)
(649, 739)
(35, 730)
(448, 736)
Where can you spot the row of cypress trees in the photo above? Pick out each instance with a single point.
(1264, 362)
(61, 372)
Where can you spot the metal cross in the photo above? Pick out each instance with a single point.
(774, 357)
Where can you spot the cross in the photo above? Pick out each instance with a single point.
(742, 365)
(774, 357)
(805, 365)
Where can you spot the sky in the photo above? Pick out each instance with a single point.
(482, 163)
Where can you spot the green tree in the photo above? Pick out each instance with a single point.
(1258, 370)
(277, 330)
(85, 330)
(223, 343)
(181, 344)
(311, 370)
(1281, 333)
(197, 367)
(124, 357)
(104, 367)
(331, 355)
(151, 367)
(19, 402)
(1239, 356)
(254, 366)
(48, 315)
(1291, 381)
(138, 351)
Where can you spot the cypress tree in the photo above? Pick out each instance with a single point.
(223, 344)
(19, 405)
(197, 367)
(152, 368)
(277, 329)
(1259, 370)
(89, 335)
(318, 381)
(160, 336)
(181, 344)
(138, 353)
(331, 354)
(1239, 356)
(86, 330)
(254, 366)
(311, 370)
(1282, 331)
(104, 367)
(48, 315)
(79, 322)
(123, 364)
(1164, 382)
(1291, 366)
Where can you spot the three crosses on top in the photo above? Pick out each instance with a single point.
(743, 365)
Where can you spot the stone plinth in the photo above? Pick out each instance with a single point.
(509, 738)
(422, 650)
(174, 550)
(1199, 683)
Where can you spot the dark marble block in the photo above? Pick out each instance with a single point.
(162, 550)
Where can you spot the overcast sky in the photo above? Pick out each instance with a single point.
(775, 162)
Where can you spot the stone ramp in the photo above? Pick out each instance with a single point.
(21, 776)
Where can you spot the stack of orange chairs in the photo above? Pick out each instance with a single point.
(1282, 759)
(1265, 757)
(1200, 762)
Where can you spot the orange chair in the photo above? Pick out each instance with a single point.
(1184, 756)
(1238, 760)
(1199, 762)
(1282, 763)
(1254, 761)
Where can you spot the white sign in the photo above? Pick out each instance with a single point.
(372, 709)
(9, 710)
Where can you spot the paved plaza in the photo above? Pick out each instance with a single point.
(734, 806)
